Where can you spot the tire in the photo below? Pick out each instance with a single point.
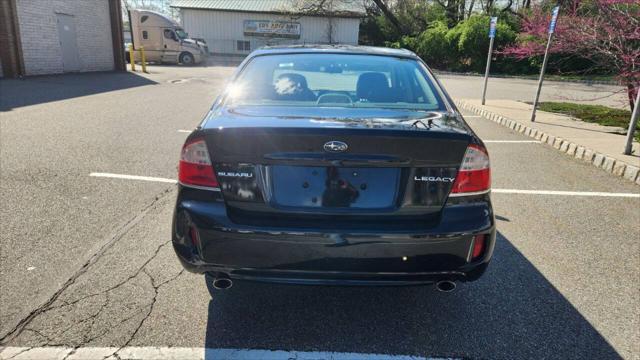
(187, 59)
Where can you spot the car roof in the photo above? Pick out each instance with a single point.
(339, 49)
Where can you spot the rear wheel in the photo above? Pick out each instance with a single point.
(187, 59)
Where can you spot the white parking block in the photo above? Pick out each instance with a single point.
(564, 193)
(133, 177)
(184, 353)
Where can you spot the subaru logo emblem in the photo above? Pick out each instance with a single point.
(335, 146)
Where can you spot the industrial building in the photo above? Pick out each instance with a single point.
(59, 36)
(240, 26)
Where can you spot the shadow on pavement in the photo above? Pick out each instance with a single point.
(15, 93)
(512, 312)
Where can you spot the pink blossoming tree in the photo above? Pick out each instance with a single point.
(606, 32)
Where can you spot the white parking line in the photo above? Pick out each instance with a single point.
(133, 177)
(512, 141)
(134, 353)
(564, 193)
(471, 116)
(496, 191)
(185, 131)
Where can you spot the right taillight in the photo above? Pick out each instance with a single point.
(195, 167)
(474, 175)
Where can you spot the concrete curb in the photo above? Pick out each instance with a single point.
(579, 152)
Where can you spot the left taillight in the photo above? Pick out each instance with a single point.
(474, 175)
(195, 167)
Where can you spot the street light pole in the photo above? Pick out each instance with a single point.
(632, 125)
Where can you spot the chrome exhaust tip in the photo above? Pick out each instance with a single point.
(445, 286)
(222, 283)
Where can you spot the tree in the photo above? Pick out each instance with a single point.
(605, 32)
(388, 14)
(327, 8)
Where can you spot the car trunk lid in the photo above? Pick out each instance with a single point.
(395, 164)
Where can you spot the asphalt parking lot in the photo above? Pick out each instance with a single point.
(86, 261)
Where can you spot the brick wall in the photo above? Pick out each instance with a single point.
(39, 34)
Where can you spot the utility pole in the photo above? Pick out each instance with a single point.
(492, 35)
(632, 125)
(552, 28)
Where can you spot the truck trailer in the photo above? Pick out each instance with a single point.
(163, 39)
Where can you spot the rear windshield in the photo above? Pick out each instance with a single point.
(335, 80)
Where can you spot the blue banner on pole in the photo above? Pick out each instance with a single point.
(492, 26)
(554, 19)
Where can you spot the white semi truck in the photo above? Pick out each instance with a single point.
(163, 39)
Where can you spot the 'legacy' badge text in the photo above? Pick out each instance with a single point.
(433, 178)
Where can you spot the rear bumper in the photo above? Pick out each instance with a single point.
(334, 257)
(472, 273)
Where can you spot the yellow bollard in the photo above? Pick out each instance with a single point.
(132, 58)
(143, 59)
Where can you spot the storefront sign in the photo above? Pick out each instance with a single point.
(271, 28)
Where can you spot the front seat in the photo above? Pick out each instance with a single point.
(374, 87)
(293, 87)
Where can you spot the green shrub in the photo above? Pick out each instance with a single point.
(434, 48)
(406, 42)
(470, 38)
(463, 47)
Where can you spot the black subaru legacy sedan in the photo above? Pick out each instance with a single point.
(334, 165)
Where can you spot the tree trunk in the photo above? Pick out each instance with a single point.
(471, 8)
(632, 92)
(389, 15)
(451, 12)
(489, 6)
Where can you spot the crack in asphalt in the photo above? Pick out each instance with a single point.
(41, 334)
(106, 291)
(156, 288)
(119, 234)
(93, 317)
(150, 307)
